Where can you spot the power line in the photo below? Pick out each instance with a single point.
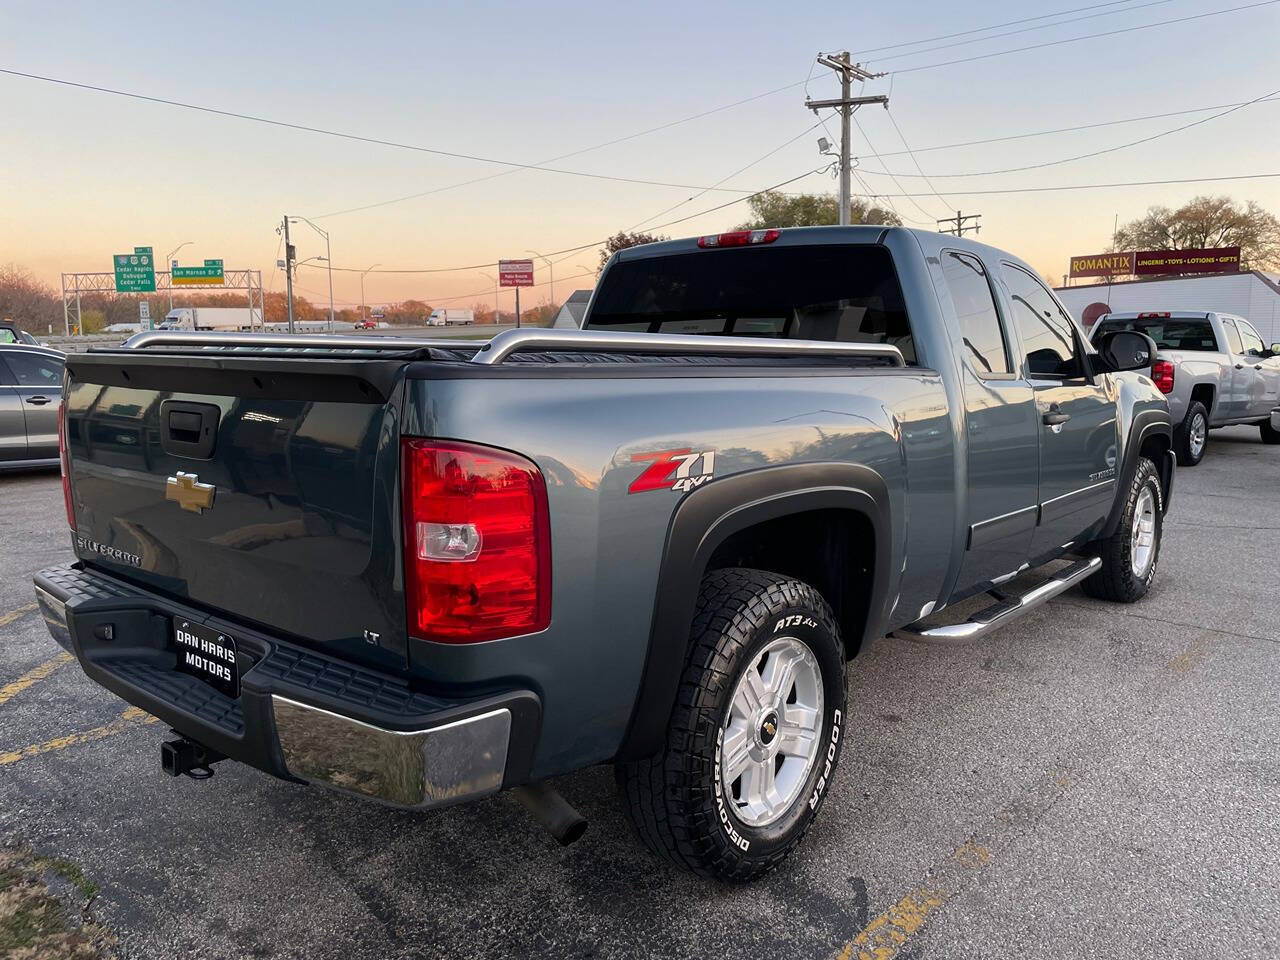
(1043, 26)
(593, 243)
(563, 156)
(894, 179)
(927, 181)
(994, 26)
(1083, 126)
(377, 141)
(1082, 156)
(1089, 186)
(740, 170)
(1090, 36)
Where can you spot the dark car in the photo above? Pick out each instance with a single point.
(30, 391)
(12, 334)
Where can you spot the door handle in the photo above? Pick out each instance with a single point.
(38, 401)
(1239, 366)
(1257, 366)
(1055, 416)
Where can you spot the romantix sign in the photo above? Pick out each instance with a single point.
(1147, 263)
(1102, 265)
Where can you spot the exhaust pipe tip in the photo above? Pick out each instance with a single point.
(553, 811)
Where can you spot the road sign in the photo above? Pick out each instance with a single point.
(515, 273)
(135, 272)
(144, 310)
(208, 275)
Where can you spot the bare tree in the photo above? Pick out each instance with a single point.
(1208, 222)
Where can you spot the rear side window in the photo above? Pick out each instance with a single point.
(30, 370)
(1168, 334)
(1233, 338)
(843, 293)
(1046, 331)
(976, 312)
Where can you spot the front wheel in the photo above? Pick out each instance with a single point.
(755, 734)
(1270, 435)
(1131, 554)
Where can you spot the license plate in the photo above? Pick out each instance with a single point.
(207, 654)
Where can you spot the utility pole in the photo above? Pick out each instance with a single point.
(959, 224)
(847, 103)
(289, 256)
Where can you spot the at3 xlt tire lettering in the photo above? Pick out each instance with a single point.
(677, 800)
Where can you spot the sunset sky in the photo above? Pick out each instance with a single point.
(84, 174)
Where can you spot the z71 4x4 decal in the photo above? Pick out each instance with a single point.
(673, 470)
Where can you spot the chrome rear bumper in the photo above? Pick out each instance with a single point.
(301, 715)
(432, 767)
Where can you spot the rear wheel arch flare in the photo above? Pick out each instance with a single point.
(704, 521)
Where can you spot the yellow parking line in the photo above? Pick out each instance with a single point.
(119, 725)
(11, 690)
(887, 934)
(12, 615)
(883, 937)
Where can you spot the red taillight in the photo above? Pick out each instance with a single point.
(477, 542)
(1153, 316)
(739, 238)
(1162, 374)
(66, 468)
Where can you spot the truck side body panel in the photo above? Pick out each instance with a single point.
(608, 537)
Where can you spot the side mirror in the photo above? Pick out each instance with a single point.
(1126, 350)
(1275, 349)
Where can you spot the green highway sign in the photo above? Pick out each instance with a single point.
(210, 274)
(135, 272)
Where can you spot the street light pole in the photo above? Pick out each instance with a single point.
(169, 262)
(328, 256)
(551, 268)
(362, 316)
(490, 276)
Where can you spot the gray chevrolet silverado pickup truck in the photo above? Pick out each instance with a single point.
(425, 571)
(1213, 369)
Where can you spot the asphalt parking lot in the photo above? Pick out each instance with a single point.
(1096, 781)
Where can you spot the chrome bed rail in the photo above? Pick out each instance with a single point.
(509, 342)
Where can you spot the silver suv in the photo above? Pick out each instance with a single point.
(30, 391)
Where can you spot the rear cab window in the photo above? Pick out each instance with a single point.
(845, 293)
(1168, 333)
(983, 336)
(1233, 336)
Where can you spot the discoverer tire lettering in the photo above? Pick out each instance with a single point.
(677, 800)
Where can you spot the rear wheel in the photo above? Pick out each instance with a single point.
(1130, 555)
(1192, 435)
(755, 734)
(1270, 434)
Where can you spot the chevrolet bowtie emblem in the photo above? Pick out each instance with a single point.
(189, 492)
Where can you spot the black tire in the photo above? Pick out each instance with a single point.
(1117, 581)
(674, 799)
(1187, 457)
(1270, 435)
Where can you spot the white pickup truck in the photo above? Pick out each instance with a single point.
(1214, 370)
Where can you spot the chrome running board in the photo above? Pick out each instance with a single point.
(1005, 610)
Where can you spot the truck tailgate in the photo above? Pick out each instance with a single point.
(259, 488)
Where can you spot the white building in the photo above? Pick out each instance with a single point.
(572, 312)
(1250, 294)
